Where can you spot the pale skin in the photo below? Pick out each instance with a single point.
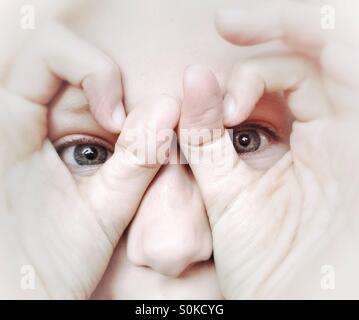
(271, 228)
(76, 218)
(279, 227)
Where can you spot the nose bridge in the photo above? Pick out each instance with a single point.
(170, 230)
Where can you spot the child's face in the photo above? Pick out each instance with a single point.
(166, 251)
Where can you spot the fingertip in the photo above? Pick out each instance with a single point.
(111, 121)
(103, 90)
(236, 26)
(169, 110)
(237, 109)
(226, 23)
(199, 81)
(149, 128)
(195, 73)
(249, 26)
(118, 117)
(159, 112)
(229, 110)
(169, 101)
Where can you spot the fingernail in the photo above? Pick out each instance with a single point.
(118, 115)
(229, 106)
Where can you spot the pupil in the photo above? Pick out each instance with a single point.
(90, 153)
(244, 140)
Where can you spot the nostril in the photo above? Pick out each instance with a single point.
(173, 254)
(169, 252)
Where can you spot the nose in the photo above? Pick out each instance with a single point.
(170, 230)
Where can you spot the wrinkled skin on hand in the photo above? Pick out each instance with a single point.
(273, 231)
(66, 227)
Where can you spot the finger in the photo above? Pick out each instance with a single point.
(206, 144)
(55, 55)
(115, 191)
(18, 136)
(297, 78)
(341, 62)
(323, 31)
(292, 21)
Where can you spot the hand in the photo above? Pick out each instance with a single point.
(273, 230)
(66, 228)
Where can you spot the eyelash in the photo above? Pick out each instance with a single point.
(76, 139)
(269, 131)
(72, 140)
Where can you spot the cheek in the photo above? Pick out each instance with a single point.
(266, 159)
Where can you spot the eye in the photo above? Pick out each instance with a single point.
(83, 154)
(252, 137)
(246, 141)
(258, 144)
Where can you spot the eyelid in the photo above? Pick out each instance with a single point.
(269, 130)
(71, 140)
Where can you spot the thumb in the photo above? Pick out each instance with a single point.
(206, 144)
(116, 190)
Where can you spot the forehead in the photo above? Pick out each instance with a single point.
(153, 41)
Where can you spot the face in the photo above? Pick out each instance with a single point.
(166, 251)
